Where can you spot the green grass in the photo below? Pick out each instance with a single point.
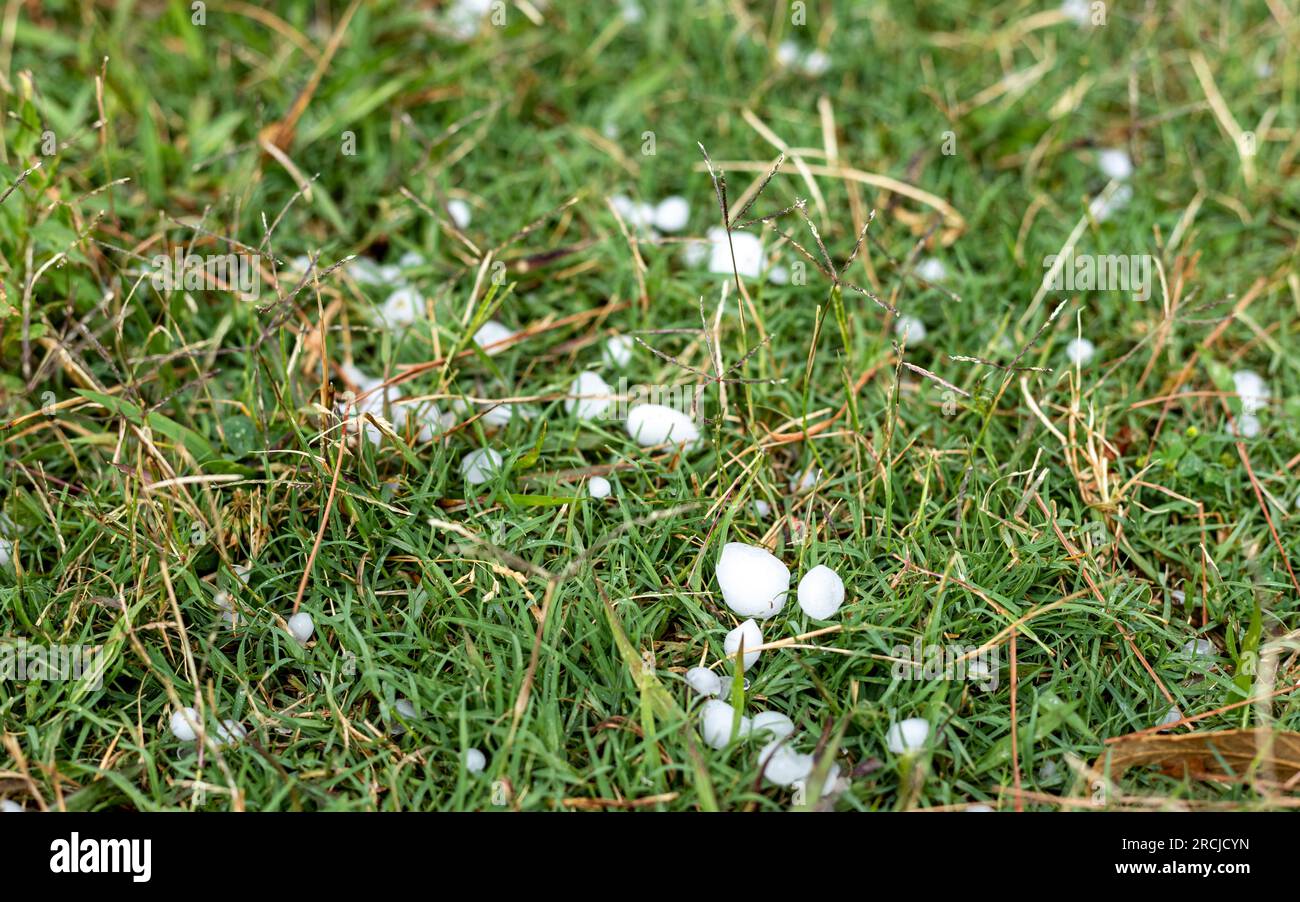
(423, 591)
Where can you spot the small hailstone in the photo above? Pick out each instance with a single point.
(227, 607)
(10, 807)
(1173, 715)
(978, 807)
(654, 424)
(762, 508)
(778, 275)
(782, 765)
(816, 63)
(459, 212)
(806, 480)
(1101, 208)
(478, 466)
(185, 724)
(1080, 351)
(753, 638)
(411, 260)
(475, 761)
(242, 571)
(300, 264)
(6, 552)
(910, 329)
(500, 415)
(1247, 425)
(301, 627)
(773, 722)
(1199, 648)
(704, 681)
(672, 214)
(403, 307)
(932, 270)
(787, 53)
(589, 396)
(754, 582)
(1048, 772)
(908, 735)
(404, 707)
(632, 12)
(598, 487)
(1252, 389)
(1115, 164)
(492, 333)
(618, 350)
(365, 271)
(1077, 11)
(1179, 597)
(230, 732)
(748, 249)
(694, 253)
(715, 723)
(821, 592)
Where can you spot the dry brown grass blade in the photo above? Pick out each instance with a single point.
(1223, 752)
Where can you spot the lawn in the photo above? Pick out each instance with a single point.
(1005, 336)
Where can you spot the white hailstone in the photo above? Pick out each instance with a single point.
(1080, 351)
(754, 582)
(932, 270)
(978, 807)
(410, 260)
(1179, 596)
(227, 607)
(1252, 389)
(694, 253)
(300, 264)
(821, 592)
(230, 732)
(778, 275)
(1101, 208)
(478, 466)
(598, 487)
(806, 480)
(618, 350)
(403, 307)
(589, 396)
(632, 12)
(1199, 648)
(788, 53)
(301, 627)
(500, 415)
(762, 508)
(816, 63)
(1077, 11)
(185, 724)
(910, 329)
(354, 374)
(638, 216)
(1173, 715)
(390, 273)
(654, 424)
(773, 722)
(1248, 425)
(672, 214)
(1048, 772)
(405, 709)
(464, 17)
(460, 213)
(748, 249)
(715, 723)
(491, 333)
(475, 761)
(10, 807)
(6, 552)
(908, 735)
(242, 571)
(782, 765)
(1114, 163)
(704, 681)
(753, 638)
(365, 271)
(623, 204)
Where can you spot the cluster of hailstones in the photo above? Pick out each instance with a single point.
(755, 585)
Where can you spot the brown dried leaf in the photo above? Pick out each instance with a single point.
(1272, 753)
